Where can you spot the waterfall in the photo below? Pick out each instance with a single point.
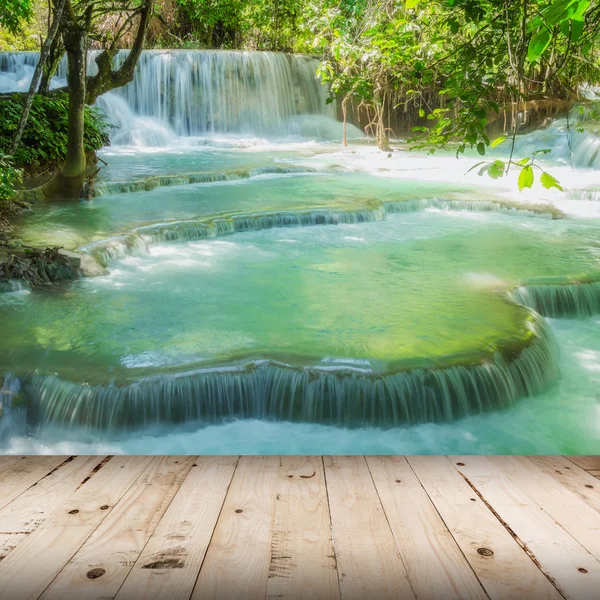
(199, 92)
(268, 390)
(561, 299)
(178, 93)
(141, 238)
(13, 418)
(574, 141)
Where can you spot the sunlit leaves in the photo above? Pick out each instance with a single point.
(548, 181)
(538, 44)
(525, 178)
(14, 13)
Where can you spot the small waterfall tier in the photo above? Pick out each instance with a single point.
(345, 397)
(140, 240)
(561, 298)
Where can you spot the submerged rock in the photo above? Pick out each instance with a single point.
(36, 268)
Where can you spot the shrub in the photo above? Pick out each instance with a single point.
(44, 143)
(10, 178)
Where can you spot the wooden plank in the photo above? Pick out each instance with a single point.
(572, 477)
(570, 566)
(30, 509)
(369, 564)
(574, 515)
(19, 475)
(587, 463)
(101, 565)
(302, 556)
(170, 562)
(8, 462)
(30, 568)
(238, 558)
(435, 565)
(501, 565)
(596, 474)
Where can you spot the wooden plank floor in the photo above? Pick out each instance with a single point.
(299, 527)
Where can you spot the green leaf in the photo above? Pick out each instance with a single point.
(557, 11)
(498, 141)
(576, 29)
(538, 44)
(524, 161)
(525, 178)
(544, 151)
(496, 169)
(549, 182)
(481, 148)
(421, 112)
(412, 3)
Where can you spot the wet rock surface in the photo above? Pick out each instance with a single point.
(42, 267)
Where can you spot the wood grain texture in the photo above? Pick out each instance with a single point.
(31, 508)
(239, 556)
(19, 474)
(302, 556)
(443, 528)
(567, 509)
(368, 561)
(571, 476)
(436, 567)
(588, 463)
(501, 565)
(169, 564)
(572, 568)
(36, 561)
(100, 566)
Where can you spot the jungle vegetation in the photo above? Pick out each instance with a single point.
(457, 66)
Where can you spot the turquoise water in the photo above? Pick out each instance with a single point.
(412, 271)
(269, 291)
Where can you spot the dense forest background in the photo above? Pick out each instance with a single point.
(464, 74)
(278, 25)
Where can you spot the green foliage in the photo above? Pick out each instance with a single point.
(23, 24)
(458, 63)
(10, 178)
(497, 168)
(14, 13)
(233, 24)
(44, 143)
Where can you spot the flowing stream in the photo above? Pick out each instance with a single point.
(269, 291)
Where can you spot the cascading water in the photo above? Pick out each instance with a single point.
(218, 328)
(560, 300)
(204, 92)
(273, 391)
(572, 141)
(208, 92)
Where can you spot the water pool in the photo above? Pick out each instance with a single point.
(293, 296)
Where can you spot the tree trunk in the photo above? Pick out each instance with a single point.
(380, 105)
(51, 65)
(345, 121)
(68, 182)
(60, 4)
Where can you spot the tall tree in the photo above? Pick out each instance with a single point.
(78, 25)
(58, 11)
